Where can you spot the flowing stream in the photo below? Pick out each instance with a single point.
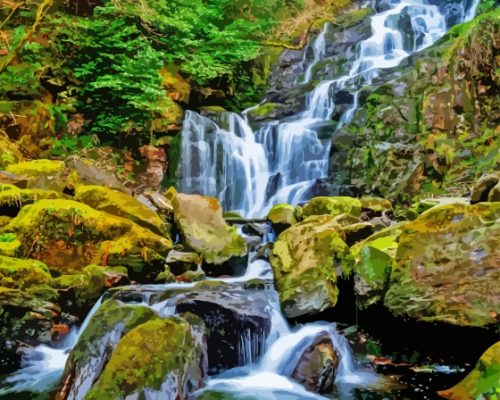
(223, 157)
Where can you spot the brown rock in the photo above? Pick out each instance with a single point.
(317, 365)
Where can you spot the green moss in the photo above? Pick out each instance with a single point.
(11, 195)
(376, 204)
(10, 154)
(120, 204)
(137, 364)
(303, 260)
(482, 382)
(443, 265)
(21, 274)
(89, 285)
(283, 214)
(68, 236)
(333, 206)
(350, 19)
(37, 168)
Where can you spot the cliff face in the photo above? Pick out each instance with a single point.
(433, 128)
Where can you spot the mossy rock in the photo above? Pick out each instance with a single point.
(83, 289)
(22, 274)
(44, 174)
(486, 188)
(334, 206)
(375, 204)
(304, 258)
(357, 232)
(373, 263)
(426, 204)
(12, 198)
(161, 357)
(9, 244)
(120, 204)
(68, 236)
(282, 216)
(482, 382)
(4, 220)
(97, 342)
(446, 266)
(204, 230)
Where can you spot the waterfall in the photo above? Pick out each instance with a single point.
(283, 159)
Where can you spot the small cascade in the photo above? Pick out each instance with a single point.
(319, 51)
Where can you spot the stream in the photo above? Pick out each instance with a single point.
(250, 170)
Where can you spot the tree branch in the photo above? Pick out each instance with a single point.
(40, 14)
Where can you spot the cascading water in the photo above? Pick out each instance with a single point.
(249, 171)
(280, 162)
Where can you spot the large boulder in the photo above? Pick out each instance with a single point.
(373, 263)
(120, 204)
(96, 344)
(336, 205)
(204, 230)
(446, 266)
(68, 236)
(482, 382)
(304, 259)
(162, 358)
(317, 365)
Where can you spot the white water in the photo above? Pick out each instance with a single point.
(282, 160)
(42, 366)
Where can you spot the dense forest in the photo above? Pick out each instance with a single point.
(259, 199)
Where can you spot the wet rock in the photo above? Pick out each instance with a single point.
(446, 266)
(237, 320)
(120, 204)
(317, 365)
(68, 236)
(333, 206)
(304, 259)
(486, 188)
(204, 230)
(482, 381)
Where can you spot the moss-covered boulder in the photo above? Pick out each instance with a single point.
(373, 263)
(78, 292)
(27, 308)
(12, 199)
(282, 216)
(336, 205)
(482, 382)
(204, 230)
(68, 236)
(304, 258)
(161, 358)
(446, 266)
(120, 204)
(44, 174)
(96, 343)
